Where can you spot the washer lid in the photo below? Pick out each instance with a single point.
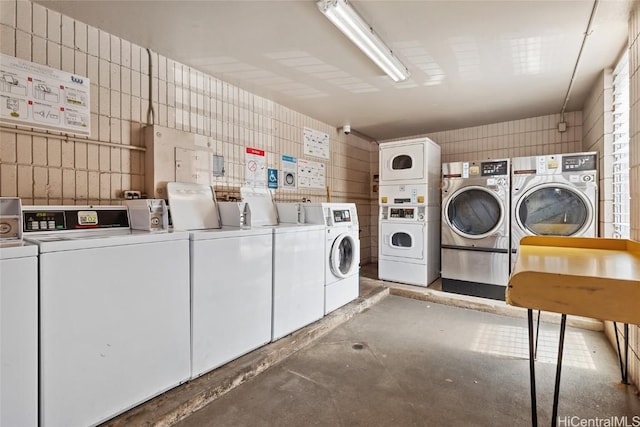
(17, 249)
(192, 206)
(263, 210)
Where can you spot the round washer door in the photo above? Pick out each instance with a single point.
(474, 212)
(553, 210)
(345, 256)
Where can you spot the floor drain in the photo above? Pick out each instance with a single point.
(357, 346)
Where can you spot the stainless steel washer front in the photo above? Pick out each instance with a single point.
(554, 195)
(475, 227)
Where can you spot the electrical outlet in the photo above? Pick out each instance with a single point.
(131, 194)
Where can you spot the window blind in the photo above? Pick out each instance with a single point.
(621, 203)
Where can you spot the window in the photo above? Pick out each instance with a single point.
(402, 162)
(621, 203)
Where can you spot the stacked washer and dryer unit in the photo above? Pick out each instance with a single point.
(409, 212)
(488, 206)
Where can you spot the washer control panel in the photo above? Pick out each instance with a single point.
(413, 213)
(67, 218)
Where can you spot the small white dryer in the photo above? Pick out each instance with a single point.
(412, 161)
(231, 270)
(342, 251)
(114, 312)
(18, 320)
(298, 267)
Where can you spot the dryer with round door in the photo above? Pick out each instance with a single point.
(475, 228)
(342, 251)
(554, 195)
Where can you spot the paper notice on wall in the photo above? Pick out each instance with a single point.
(311, 174)
(255, 170)
(289, 167)
(316, 143)
(38, 96)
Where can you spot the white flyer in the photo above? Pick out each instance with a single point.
(42, 97)
(311, 174)
(316, 143)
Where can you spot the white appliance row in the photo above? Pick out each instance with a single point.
(125, 315)
(259, 271)
(409, 217)
(488, 206)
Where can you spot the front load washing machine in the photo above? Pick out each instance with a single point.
(554, 195)
(18, 320)
(475, 228)
(114, 312)
(342, 251)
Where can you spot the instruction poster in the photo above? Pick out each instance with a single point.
(316, 143)
(289, 167)
(311, 174)
(255, 170)
(38, 96)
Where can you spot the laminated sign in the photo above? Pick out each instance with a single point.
(42, 97)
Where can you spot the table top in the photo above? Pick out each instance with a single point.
(591, 277)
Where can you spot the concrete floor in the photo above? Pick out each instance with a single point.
(405, 362)
(418, 357)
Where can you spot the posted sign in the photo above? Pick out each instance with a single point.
(42, 97)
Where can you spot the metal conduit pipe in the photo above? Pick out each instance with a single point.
(587, 33)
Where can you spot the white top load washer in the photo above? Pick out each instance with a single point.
(18, 320)
(231, 294)
(298, 267)
(114, 312)
(342, 251)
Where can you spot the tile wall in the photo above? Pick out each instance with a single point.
(598, 136)
(131, 88)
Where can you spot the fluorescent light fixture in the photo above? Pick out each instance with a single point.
(343, 16)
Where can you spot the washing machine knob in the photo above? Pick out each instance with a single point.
(587, 178)
(420, 216)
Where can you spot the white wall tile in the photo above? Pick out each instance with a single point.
(7, 40)
(24, 15)
(8, 13)
(68, 32)
(54, 55)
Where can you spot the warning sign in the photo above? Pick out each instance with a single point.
(255, 171)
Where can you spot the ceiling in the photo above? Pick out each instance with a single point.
(471, 62)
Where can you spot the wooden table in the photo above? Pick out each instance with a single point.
(591, 277)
